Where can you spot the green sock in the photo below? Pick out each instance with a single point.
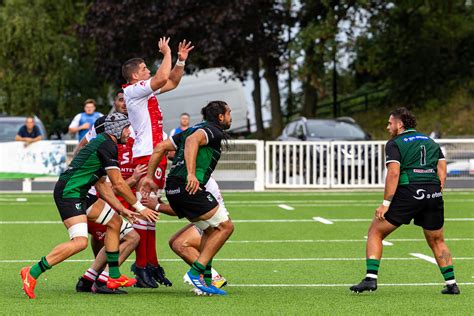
(197, 269)
(208, 273)
(112, 261)
(39, 268)
(372, 268)
(448, 273)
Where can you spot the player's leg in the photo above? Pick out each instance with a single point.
(186, 243)
(435, 239)
(109, 218)
(143, 275)
(378, 231)
(96, 245)
(77, 228)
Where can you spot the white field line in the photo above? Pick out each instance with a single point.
(341, 285)
(424, 257)
(323, 220)
(286, 207)
(384, 242)
(326, 201)
(245, 259)
(387, 243)
(249, 221)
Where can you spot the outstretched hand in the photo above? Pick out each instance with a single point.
(147, 185)
(163, 45)
(183, 50)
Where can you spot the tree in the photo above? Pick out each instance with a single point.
(419, 49)
(242, 36)
(43, 69)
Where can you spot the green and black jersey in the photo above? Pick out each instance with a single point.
(417, 155)
(207, 156)
(89, 166)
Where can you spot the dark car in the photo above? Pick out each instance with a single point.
(303, 129)
(344, 128)
(9, 126)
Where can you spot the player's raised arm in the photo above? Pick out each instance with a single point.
(177, 73)
(162, 74)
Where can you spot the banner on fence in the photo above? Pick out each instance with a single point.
(40, 159)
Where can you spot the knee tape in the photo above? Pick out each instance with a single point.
(219, 217)
(125, 229)
(78, 230)
(106, 215)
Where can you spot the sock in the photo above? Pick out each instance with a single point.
(90, 275)
(39, 268)
(112, 261)
(208, 273)
(215, 274)
(372, 268)
(103, 277)
(140, 251)
(448, 274)
(197, 269)
(151, 257)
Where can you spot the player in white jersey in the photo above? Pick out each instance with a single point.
(146, 119)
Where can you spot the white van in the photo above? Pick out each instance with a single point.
(196, 90)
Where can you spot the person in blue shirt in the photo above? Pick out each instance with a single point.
(29, 133)
(183, 124)
(83, 121)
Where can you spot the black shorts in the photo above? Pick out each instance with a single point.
(186, 205)
(70, 207)
(421, 202)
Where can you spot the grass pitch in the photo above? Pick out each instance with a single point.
(278, 261)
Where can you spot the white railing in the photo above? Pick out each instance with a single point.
(307, 165)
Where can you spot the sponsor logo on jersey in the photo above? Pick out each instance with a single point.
(158, 173)
(173, 192)
(423, 171)
(415, 138)
(421, 195)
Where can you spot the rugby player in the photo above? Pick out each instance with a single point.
(198, 150)
(146, 118)
(89, 167)
(95, 278)
(416, 173)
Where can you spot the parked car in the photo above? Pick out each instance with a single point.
(9, 126)
(340, 129)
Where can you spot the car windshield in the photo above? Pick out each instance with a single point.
(334, 130)
(8, 130)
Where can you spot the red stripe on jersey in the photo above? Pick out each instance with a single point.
(156, 120)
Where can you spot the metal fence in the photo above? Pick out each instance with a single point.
(348, 164)
(306, 165)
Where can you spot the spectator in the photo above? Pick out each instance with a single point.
(83, 121)
(183, 124)
(29, 133)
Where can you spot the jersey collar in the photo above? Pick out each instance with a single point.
(408, 131)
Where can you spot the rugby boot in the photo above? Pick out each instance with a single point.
(367, 284)
(199, 283)
(122, 281)
(451, 289)
(144, 278)
(84, 285)
(158, 273)
(99, 287)
(29, 282)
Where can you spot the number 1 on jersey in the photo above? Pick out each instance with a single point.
(423, 155)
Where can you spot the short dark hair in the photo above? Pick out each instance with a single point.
(89, 101)
(130, 66)
(116, 93)
(183, 114)
(404, 115)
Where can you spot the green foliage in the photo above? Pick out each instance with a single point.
(420, 49)
(44, 69)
